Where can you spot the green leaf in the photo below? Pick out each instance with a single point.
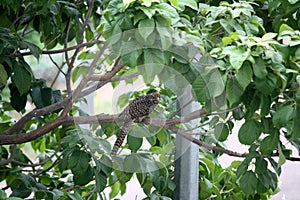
(134, 142)
(106, 165)
(238, 114)
(74, 196)
(201, 90)
(268, 179)
(21, 78)
(33, 49)
(85, 177)
(259, 68)
(249, 132)
(269, 143)
(146, 27)
(282, 158)
(17, 101)
(3, 75)
(168, 12)
(174, 2)
(41, 97)
(21, 186)
(155, 56)
(260, 165)
(244, 75)
(266, 85)
(189, 3)
(57, 96)
(293, 1)
(131, 163)
(282, 116)
(79, 162)
(130, 59)
(215, 83)
(101, 181)
(115, 189)
(265, 104)
(249, 183)
(237, 56)
(268, 36)
(154, 60)
(233, 91)
(296, 120)
(148, 11)
(221, 132)
(13, 198)
(165, 37)
(160, 183)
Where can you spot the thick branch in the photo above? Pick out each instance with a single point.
(169, 124)
(107, 76)
(35, 113)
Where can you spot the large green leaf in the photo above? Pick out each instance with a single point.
(146, 27)
(249, 132)
(249, 182)
(283, 115)
(296, 120)
(221, 132)
(21, 78)
(101, 181)
(168, 12)
(269, 143)
(189, 3)
(266, 85)
(33, 49)
(3, 75)
(85, 177)
(260, 165)
(260, 69)
(244, 75)
(234, 91)
(201, 90)
(17, 101)
(105, 165)
(41, 97)
(134, 142)
(160, 183)
(265, 104)
(79, 162)
(237, 56)
(131, 163)
(268, 179)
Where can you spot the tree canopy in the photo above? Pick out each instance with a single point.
(241, 59)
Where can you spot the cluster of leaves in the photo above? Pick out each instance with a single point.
(221, 183)
(21, 23)
(233, 54)
(248, 66)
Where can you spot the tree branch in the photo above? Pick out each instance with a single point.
(169, 124)
(35, 113)
(79, 46)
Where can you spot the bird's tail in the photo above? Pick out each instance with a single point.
(121, 138)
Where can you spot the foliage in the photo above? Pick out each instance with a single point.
(241, 59)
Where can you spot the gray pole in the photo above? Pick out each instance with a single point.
(187, 154)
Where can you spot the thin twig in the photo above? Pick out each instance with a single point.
(57, 51)
(69, 64)
(181, 107)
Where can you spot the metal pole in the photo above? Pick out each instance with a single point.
(186, 155)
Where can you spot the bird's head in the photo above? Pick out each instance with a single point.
(155, 97)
